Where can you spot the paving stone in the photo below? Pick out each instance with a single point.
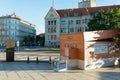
(42, 71)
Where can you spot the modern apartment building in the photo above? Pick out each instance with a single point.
(70, 20)
(15, 28)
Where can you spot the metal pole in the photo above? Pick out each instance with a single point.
(66, 63)
(50, 59)
(18, 49)
(53, 3)
(36, 60)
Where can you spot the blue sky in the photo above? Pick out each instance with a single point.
(34, 11)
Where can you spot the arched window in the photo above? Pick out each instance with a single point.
(52, 15)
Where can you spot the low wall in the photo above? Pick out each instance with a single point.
(105, 62)
(75, 63)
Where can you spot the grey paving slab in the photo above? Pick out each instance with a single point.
(43, 71)
(24, 71)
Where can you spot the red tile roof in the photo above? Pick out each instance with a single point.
(84, 11)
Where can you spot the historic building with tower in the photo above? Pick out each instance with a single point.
(66, 21)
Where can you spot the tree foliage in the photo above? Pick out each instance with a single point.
(40, 40)
(105, 20)
(29, 40)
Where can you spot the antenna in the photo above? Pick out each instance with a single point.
(52, 3)
(14, 10)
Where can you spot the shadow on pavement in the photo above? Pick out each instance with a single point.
(109, 75)
(23, 66)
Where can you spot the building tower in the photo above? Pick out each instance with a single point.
(87, 3)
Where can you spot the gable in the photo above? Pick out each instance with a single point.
(52, 13)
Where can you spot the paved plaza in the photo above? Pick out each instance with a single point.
(21, 70)
(43, 71)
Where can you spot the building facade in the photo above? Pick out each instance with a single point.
(13, 27)
(69, 21)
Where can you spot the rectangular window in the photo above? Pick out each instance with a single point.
(78, 21)
(70, 22)
(63, 22)
(54, 22)
(49, 37)
(72, 29)
(48, 22)
(54, 29)
(48, 30)
(79, 29)
(51, 22)
(62, 30)
(75, 14)
(85, 20)
(54, 37)
(9, 26)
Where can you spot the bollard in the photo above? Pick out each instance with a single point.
(36, 60)
(28, 59)
(50, 59)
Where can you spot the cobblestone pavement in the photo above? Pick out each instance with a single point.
(43, 71)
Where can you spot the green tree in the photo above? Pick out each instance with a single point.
(40, 40)
(29, 40)
(105, 20)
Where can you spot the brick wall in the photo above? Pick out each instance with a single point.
(81, 44)
(75, 43)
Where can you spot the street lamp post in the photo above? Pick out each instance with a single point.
(67, 56)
